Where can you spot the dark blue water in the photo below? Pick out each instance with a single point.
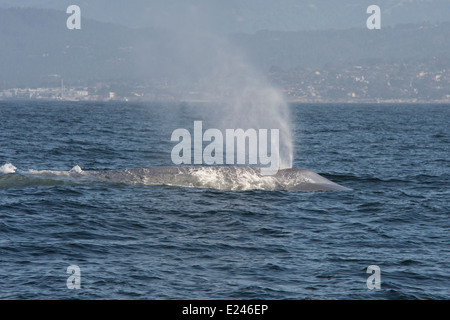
(164, 242)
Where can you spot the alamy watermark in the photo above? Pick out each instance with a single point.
(235, 140)
(74, 20)
(74, 280)
(374, 21)
(374, 281)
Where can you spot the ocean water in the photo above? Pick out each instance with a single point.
(138, 241)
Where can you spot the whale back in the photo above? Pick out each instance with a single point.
(213, 177)
(221, 177)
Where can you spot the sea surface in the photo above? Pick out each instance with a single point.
(137, 241)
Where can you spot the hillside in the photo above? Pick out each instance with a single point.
(249, 16)
(37, 50)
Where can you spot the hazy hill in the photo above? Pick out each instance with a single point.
(36, 46)
(233, 16)
(316, 49)
(36, 49)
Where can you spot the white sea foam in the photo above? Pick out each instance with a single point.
(76, 169)
(56, 173)
(8, 168)
(237, 179)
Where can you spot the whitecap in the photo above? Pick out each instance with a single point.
(8, 168)
(76, 169)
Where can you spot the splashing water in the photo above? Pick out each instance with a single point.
(8, 168)
(214, 67)
(247, 100)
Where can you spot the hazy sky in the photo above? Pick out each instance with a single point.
(250, 15)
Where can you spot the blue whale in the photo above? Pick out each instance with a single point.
(213, 177)
(221, 177)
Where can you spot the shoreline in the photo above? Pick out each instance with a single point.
(198, 101)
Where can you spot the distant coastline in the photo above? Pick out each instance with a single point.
(172, 99)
